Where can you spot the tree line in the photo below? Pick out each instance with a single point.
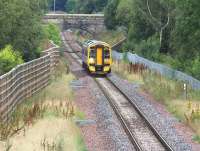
(78, 6)
(161, 30)
(21, 27)
(165, 31)
(22, 33)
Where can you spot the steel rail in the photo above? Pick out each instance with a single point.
(131, 136)
(141, 113)
(114, 107)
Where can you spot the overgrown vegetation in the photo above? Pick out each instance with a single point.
(110, 36)
(59, 5)
(86, 6)
(22, 34)
(68, 139)
(21, 26)
(163, 31)
(196, 138)
(50, 100)
(171, 93)
(9, 59)
(78, 6)
(52, 32)
(54, 102)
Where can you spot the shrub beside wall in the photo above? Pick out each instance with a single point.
(9, 59)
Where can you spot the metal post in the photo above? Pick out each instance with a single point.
(185, 90)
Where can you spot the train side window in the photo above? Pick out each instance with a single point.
(106, 53)
(92, 53)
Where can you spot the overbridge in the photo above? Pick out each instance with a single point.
(92, 23)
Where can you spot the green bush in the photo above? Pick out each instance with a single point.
(9, 59)
(52, 32)
(194, 67)
(196, 138)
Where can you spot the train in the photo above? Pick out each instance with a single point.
(96, 57)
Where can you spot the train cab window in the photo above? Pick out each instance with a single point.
(92, 53)
(106, 52)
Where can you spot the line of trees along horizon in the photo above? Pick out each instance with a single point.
(21, 31)
(21, 25)
(166, 31)
(78, 6)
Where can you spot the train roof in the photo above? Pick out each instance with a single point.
(95, 42)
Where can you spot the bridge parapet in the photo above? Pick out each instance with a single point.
(92, 22)
(74, 16)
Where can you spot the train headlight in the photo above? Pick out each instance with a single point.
(91, 61)
(106, 68)
(92, 69)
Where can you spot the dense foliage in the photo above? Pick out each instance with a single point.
(86, 6)
(78, 6)
(165, 31)
(52, 32)
(9, 59)
(20, 25)
(59, 5)
(111, 14)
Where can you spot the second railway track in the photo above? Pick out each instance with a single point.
(140, 131)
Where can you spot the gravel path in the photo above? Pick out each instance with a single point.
(106, 134)
(138, 127)
(164, 123)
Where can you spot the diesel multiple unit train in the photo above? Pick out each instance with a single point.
(96, 57)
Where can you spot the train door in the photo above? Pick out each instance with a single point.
(99, 56)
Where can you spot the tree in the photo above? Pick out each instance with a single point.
(100, 5)
(110, 14)
(186, 34)
(162, 22)
(86, 6)
(9, 59)
(60, 5)
(53, 33)
(21, 25)
(70, 6)
(160, 29)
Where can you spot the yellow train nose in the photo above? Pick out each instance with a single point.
(99, 56)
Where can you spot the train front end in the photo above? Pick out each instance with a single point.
(99, 58)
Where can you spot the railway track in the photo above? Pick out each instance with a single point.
(140, 131)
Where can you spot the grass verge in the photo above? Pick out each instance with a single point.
(45, 121)
(171, 93)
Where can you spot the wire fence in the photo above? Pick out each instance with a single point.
(25, 80)
(162, 69)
